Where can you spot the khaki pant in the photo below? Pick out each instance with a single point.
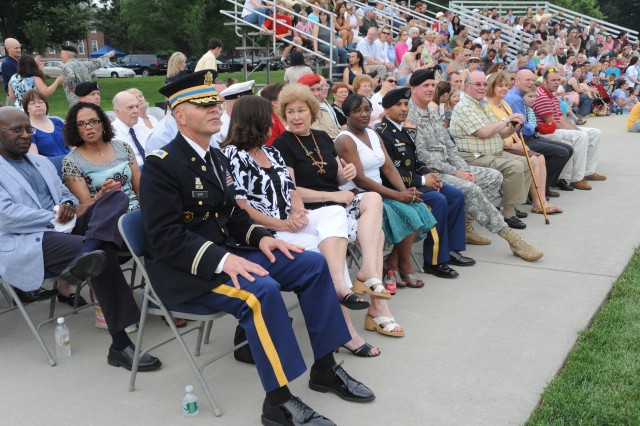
(516, 177)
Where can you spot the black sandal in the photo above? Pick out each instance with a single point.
(71, 300)
(364, 351)
(353, 302)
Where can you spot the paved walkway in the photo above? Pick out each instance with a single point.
(479, 349)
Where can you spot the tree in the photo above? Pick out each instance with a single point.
(62, 19)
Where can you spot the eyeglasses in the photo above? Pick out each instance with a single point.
(93, 123)
(391, 80)
(362, 111)
(479, 84)
(474, 60)
(19, 130)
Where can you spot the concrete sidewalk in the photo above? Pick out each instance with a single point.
(479, 349)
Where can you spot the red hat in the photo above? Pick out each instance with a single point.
(309, 79)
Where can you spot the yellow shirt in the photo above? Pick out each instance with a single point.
(634, 116)
(207, 62)
(500, 114)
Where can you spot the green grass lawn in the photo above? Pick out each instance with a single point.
(600, 381)
(58, 105)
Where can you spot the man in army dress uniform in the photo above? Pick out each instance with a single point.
(480, 185)
(79, 71)
(446, 202)
(204, 249)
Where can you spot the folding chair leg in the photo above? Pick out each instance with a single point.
(207, 332)
(415, 261)
(136, 354)
(199, 338)
(7, 296)
(32, 327)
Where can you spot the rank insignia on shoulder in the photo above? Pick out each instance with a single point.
(410, 125)
(188, 216)
(158, 153)
(382, 127)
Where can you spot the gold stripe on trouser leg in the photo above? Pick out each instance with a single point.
(436, 245)
(263, 334)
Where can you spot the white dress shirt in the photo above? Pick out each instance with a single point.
(142, 133)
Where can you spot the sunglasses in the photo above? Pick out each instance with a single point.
(391, 80)
(385, 33)
(474, 60)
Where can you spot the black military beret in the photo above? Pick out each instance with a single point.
(69, 49)
(422, 75)
(83, 89)
(395, 96)
(196, 88)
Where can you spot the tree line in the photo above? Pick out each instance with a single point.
(165, 26)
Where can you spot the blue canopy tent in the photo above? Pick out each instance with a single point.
(106, 49)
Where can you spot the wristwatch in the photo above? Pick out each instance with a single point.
(69, 202)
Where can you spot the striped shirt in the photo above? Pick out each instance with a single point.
(546, 104)
(469, 116)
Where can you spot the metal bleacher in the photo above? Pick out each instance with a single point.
(467, 10)
(251, 33)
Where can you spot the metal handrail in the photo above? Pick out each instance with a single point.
(567, 14)
(236, 17)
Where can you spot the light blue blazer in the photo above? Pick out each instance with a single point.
(23, 221)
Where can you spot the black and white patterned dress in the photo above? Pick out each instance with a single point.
(254, 184)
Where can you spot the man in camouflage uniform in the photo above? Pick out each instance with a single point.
(79, 71)
(435, 148)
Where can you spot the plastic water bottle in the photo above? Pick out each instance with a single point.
(390, 282)
(190, 403)
(63, 341)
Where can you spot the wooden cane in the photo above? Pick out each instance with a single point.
(533, 176)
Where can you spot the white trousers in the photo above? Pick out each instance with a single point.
(585, 143)
(323, 223)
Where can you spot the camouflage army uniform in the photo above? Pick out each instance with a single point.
(435, 148)
(78, 72)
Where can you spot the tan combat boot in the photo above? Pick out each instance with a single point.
(519, 247)
(472, 236)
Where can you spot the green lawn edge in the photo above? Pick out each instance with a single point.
(58, 105)
(599, 383)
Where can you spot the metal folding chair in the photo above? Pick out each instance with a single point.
(16, 303)
(132, 230)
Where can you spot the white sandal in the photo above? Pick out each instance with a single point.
(373, 287)
(373, 324)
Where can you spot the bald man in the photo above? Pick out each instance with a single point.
(127, 126)
(556, 154)
(10, 64)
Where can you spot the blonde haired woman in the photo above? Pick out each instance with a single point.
(176, 67)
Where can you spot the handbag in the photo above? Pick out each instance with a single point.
(546, 128)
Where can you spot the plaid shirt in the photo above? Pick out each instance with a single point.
(468, 117)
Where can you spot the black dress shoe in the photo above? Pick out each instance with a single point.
(521, 215)
(441, 270)
(552, 193)
(340, 382)
(35, 295)
(294, 412)
(563, 185)
(71, 300)
(515, 223)
(459, 260)
(87, 265)
(124, 358)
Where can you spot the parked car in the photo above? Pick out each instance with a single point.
(235, 64)
(222, 67)
(52, 69)
(113, 71)
(144, 64)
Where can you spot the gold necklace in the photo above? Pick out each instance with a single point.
(319, 163)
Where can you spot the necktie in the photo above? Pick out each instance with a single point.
(137, 143)
(208, 162)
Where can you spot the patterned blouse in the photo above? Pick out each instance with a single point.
(253, 184)
(95, 175)
(20, 85)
